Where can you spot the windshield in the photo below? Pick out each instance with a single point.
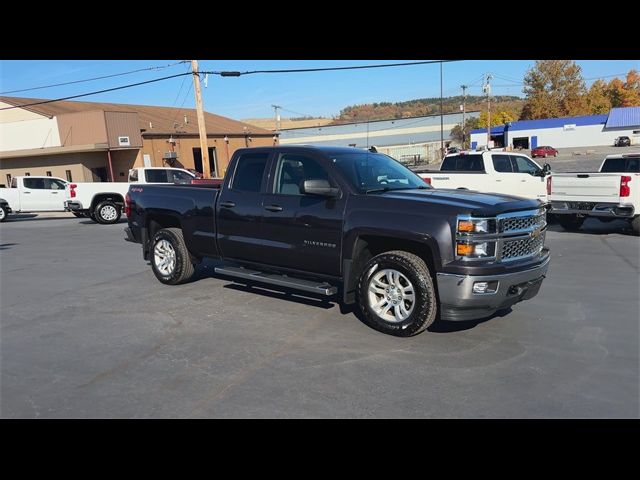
(369, 172)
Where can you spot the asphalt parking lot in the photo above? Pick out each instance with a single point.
(88, 332)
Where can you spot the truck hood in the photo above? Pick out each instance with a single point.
(476, 203)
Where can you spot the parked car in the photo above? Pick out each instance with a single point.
(103, 201)
(326, 220)
(5, 209)
(35, 194)
(622, 142)
(490, 171)
(544, 151)
(613, 192)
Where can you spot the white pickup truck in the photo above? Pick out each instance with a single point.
(35, 194)
(612, 192)
(491, 172)
(103, 201)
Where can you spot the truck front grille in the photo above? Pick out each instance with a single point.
(526, 247)
(517, 224)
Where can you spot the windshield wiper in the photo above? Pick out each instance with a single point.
(388, 189)
(376, 190)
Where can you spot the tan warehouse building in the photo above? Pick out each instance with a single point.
(88, 141)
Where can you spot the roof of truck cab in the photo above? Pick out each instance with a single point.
(325, 149)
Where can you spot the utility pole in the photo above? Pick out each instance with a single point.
(275, 108)
(487, 89)
(464, 111)
(441, 118)
(204, 148)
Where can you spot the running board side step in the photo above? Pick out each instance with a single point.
(279, 280)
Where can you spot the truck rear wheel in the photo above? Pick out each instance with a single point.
(635, 225)
(3, 214)
(396, 294)
(107, 212)
(571, 223)
(170, 259)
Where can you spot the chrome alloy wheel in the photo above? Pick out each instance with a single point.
(164, 257)
(108, 213)
(391, 295)
(2, 214)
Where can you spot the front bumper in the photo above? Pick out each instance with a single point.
(458, 302)
(592, 209)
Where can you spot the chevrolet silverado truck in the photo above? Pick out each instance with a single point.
(609, 194)
(351, 223)
(491, 171)
(35, 194)
(102, 202)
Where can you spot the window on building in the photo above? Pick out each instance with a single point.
(69, 177)
(27, 174)
(48, 173)
(8, 179)
(249, 172)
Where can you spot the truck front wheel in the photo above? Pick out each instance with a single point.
(571, 223)
(107, 212)
(170, 259)
(635, 225)
(3, 214)
(396, 294)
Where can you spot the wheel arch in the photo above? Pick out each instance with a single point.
(116, 198)
(368, 245)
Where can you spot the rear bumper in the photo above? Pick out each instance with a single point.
(458, 302)
(72, 206)
(592, 209)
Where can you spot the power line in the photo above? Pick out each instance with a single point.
(327, 69)
(96, 92)
(94, 78)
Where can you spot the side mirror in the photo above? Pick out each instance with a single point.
(319, 187)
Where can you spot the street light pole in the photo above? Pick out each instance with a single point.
(202, 129)
(464, 107)
(441, 114)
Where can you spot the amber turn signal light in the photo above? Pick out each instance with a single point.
(465, 226)
(464, 249)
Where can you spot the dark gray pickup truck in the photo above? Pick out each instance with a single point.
(348, 222)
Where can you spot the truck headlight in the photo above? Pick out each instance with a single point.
(475, 250)
(476, 225)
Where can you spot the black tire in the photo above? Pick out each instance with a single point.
(104, 212)
(635, 225)
(183, 268)
(570, 223)
(416, 271)
(4, 214)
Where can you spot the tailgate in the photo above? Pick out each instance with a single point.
(596, 187)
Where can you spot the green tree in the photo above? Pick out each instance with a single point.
(554, 88)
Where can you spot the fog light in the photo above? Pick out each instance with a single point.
(480, 287)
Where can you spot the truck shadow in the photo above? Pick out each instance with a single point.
(206, 270)
(596, 227)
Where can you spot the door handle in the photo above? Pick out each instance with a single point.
(227, 204)
(54, 193)
(274, 208)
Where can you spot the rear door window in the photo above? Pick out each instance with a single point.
(156, 176)
(53, 184)
(249, 172)
(502, 163)
(633, 165)
(463, 163)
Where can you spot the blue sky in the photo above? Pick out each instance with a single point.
(317, 94)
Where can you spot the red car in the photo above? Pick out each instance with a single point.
(544, 151)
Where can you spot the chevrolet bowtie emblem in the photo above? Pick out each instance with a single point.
(535, 233)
